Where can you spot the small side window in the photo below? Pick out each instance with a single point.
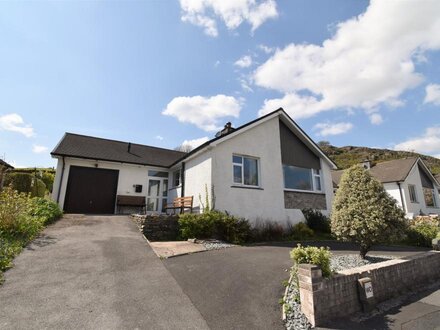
(412, 193)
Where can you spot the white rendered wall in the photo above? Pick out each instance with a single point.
(415, 208)
(129, 175)
(264, 204)
(198, 175)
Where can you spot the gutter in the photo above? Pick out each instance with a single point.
(61, 180)
(182, 177)
(401, 197)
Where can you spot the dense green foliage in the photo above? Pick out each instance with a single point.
(26, 183)
(421, 231)
(316, 220)
(364, 213)
(214, 224)
(348, 156)
(301, 231)
(21, 219)
(312, 255)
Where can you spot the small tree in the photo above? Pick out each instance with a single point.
(363, 212)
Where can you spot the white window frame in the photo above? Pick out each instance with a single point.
(242, 184)
(416, 197)
(313, 173)
(174, 178)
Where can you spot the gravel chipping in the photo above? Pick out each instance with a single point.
(295, 319)
(216, 245)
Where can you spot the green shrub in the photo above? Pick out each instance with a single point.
(214, 224)
(45, 209)
(312, 255)
(266, 231)
(26, 183)
(422, 230)
(364, 213)
(48, 179)
(301, 231)
(316, 220)
(8, 250)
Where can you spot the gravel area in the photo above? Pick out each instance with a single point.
(347, 261)
(295, 319)
(216, 245)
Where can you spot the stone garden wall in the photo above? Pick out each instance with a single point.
(323, 299)
(158, 227)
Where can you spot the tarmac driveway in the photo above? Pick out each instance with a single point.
(93, 272)
(240, 287)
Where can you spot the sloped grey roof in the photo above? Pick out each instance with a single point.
(81, 146)
(390, 171)
(3, 163)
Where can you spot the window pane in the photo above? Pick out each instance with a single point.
(412, 193)
(176, 178)
(165, 188)
(317, 183)
(153, 188)
(237, 174)
(297, 178)
(152, 204)
(164, 205)
(250, 172)
(158, 173)
(429, 197)
(237, 159)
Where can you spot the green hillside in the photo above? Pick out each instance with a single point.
(347, 156)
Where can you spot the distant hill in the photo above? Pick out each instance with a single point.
(347, 156)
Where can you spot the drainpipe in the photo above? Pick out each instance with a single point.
(61, 180)
(401, 197)
(182, 177)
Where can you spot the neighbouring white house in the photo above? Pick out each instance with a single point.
(409, 181)
(267, 169)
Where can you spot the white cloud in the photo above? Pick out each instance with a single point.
(204, 112)
(266, 49)
(326, 129)
(432, 94)
(204, 13)
(368, 62)
(428, 143)
(244, 62)
(216, 64)
(14, 123)
(192, 144)
(159, 137)
(376, 119)
(37, 149)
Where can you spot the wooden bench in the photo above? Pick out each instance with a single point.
(133, 201)
(181, 203)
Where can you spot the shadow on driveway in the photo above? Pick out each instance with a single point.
(240, 287)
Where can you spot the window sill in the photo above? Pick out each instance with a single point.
(306, 191)
(247, 187)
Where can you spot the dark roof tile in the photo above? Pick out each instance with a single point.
(81, 146)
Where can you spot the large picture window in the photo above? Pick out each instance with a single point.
(300, 178)
(245, 171)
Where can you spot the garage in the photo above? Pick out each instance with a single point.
(91, 190)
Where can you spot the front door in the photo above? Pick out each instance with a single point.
(157, 195)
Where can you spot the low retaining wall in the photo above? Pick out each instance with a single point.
(158, 227)
(323, 299)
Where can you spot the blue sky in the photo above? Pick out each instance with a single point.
(162, 72)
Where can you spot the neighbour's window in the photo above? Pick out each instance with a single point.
(158, 174)
(301, 178)
(176, 178)
(245, 170)
(429, 195)
(412, 193)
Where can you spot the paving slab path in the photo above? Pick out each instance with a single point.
(93, 272)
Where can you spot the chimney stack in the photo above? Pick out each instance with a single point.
(227, 129)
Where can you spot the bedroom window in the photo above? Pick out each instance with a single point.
(301, 178)
(412, 193)
(245, 171)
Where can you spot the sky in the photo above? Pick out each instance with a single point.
(167, 73)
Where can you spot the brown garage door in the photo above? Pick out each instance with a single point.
(91, 190)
